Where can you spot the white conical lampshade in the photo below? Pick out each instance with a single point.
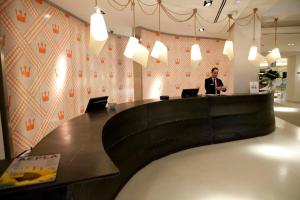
(273, 56)
(137, 52)
(196, 56)
(228, 49)
(259, 59)
(131, 47)
(196, 53)
(252, 53)
(141, 55)
(98, 28)
(160, 52)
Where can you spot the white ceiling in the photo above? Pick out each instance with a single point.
(121, 22)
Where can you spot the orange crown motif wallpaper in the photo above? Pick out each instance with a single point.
(160, 79)
(50, 74)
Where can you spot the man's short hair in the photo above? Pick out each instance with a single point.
(214, 68)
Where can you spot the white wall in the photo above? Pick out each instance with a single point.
(242, 71)
(2, 155)
(293, 79)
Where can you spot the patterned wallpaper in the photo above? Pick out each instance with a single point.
(50, 74)
(159, 79)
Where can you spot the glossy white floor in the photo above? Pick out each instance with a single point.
(263, 168)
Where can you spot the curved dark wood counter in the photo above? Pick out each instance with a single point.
(135, 134)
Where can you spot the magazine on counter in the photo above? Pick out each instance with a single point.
(30, 170)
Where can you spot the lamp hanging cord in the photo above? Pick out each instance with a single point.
(254, 16)
(133, 11)
(159, 5)
(195, 22)
(276, 20)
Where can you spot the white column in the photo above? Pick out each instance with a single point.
(293, 79)
(241, 70)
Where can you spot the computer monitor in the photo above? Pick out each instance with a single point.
(190, 92)
(95, 104)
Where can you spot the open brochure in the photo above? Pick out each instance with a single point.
(30, 170)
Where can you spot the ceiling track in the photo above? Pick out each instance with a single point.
(220, 11)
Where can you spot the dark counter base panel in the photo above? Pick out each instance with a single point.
(107, 148)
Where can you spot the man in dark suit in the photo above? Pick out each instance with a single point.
(213, 85)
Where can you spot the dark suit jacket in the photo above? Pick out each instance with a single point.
(210, 86)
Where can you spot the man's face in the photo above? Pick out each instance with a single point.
(214, 74)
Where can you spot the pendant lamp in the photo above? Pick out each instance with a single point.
(196, 56)
(134, 50)
(98, 31)
(253, 50)
(274, 55)
(160, 51)
(228, 46)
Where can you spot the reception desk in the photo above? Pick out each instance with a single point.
(101, 151)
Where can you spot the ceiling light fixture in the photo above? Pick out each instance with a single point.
(134, 50)
(160, 51)
(98, 31)
(228, 46)
(201, 29)
(196, 56)
(253, 49)
(291, 44)
(275, 54)
(207, 3)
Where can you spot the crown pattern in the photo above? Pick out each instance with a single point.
(80, 74)
(157, 33)
(21, 16)
(111, 75)
(177, 86)
(71, 93)
(149, 73)
(55, 28)
(168, 74)
(61, 115)
(177, 61)
(42, 47)
(218, 63)
(188, 74)
(129, 74)
(25, 72)
(29, 124)
(207, 50)
(67, 15)
(177, 37)
(95, 75)
(157, 61)
(120, 62)
(8, 101)
(78, 37)
(187, 49)
(109, 48)
(45, 96)
(69, 53)
(39, 1)
(81, 110)
(102, 60)
(148, 45)
(87, 58)
(103, 89)
(89, 91)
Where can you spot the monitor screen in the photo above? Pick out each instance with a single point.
(97, 103)
(190, 92)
